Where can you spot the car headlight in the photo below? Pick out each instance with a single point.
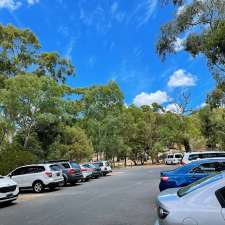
(162, 213)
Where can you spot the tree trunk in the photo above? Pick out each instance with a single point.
(187, 145)
(125, 161)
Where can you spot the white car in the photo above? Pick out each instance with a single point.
(200, 203)
(38, 176)
(8, 190)
(104, 165)
(192, 156)
(173, 159)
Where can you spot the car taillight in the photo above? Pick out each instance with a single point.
(164, 178)
(71, 171)
(162, 213)
(84, 170)
(49, 174)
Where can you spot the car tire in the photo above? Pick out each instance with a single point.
(73, 183)
(38, 186)
(64, 181)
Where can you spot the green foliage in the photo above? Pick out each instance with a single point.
(20, 53)
(72, 144)
(12, 156)
(202, 23)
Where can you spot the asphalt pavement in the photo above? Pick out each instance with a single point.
(126, 197)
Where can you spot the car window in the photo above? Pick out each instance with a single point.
(66, 165)
(206, 168)
(178, 156)
(193, 157)
(19, 171)
(198, 184)
(220, 194)
(99, 164)
(220, 154)
(75, 165)
(221, 166)
(170, 156)
(54, 168)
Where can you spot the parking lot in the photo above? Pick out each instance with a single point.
(126, 197)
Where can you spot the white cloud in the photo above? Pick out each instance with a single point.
(149, 6)
(174, 108)
(144, 98)
(9, 4)
(179, 44)
(181, 10)
(32, 2)
(114, 7)
(15, 4)
(181, 78)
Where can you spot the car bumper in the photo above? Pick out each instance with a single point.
(10, 198)
(55, 183)
(75, 177)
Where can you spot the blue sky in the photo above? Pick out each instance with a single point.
(114, 40)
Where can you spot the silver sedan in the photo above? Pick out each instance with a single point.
(201, 203)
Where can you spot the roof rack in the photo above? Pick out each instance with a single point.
(57, 161)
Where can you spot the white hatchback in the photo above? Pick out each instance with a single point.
(38, 176)
(8, 190)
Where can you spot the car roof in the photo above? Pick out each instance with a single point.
(205, 152)
(39, 164)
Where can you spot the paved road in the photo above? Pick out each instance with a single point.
(124, 198)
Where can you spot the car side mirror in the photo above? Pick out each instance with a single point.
(10, 175)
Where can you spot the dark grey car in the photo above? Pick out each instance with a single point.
(71, 171)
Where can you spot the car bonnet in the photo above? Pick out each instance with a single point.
(6, 181)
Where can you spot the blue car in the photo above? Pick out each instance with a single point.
(190, 173)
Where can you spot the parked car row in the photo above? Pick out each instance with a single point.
(50, 175)
(193, 194)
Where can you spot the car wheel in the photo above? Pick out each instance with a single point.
(64, 181)
(38, 186)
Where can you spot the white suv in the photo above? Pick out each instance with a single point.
(37, 176)
(8, 190)
(105, 167)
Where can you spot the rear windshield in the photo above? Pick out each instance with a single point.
(170, 156)
(55, 167)
(198, 184)
(75, 165)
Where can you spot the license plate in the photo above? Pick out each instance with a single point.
(9, 195)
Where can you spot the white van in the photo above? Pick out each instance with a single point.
(172, 159)
(192, 156)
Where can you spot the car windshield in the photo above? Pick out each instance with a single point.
(198, 184)
(98, 164)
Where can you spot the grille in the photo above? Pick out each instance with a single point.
(8, 189)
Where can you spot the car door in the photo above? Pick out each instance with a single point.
(19, 176)
(220, 194)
